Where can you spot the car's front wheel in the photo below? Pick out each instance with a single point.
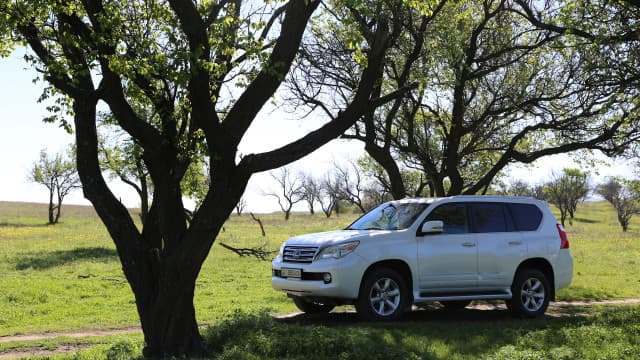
(312, 307)
(383, 295)
(531, 294)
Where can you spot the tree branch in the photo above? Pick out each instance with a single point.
(272, 74)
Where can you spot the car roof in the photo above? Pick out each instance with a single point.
(472, 198)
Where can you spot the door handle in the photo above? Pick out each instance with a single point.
(515, 242)
(468, 244)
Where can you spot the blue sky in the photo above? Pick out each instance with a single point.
(22, 132)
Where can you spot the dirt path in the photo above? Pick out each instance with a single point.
(477, 311)
(74, 334)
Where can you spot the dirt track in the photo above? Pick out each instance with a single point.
(474, 312)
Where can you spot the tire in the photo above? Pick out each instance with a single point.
(531, 294)
(383, 295)
(312, 307)
(455, 305)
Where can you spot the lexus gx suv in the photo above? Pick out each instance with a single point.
(414, 251)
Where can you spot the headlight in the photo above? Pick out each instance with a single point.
(338, 251)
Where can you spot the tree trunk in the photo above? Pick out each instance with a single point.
(383, 157)
(144, 201)
(51, 207)
(168, 319)
(58, 208)
(438, 187)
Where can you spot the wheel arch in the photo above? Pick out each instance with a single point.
(398, 265)
(542, 265)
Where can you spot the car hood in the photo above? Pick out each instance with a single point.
(333, 237)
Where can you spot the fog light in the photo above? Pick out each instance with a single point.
(327, 278)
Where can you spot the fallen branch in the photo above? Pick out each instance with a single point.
(257, 252)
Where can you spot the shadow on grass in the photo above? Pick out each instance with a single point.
(8, 224)
(47, 259)
(585, 293)
(431, 313)
(425, 334)
(585, 221)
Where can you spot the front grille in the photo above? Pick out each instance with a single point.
(299, 254)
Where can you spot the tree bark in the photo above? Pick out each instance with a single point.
(168, 317)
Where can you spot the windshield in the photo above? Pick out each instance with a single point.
(389, 216)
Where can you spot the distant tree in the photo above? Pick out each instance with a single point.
(311, 192)
(59, 175)
(519, 188)
(291, 190)
(537, 191)
(349, 185)
(566, 191)
(327, 197)
(624, 195)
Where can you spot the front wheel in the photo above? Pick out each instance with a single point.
(383, 295)
(531, 294)
(312, 307)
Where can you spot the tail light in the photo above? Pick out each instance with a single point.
(564, 240)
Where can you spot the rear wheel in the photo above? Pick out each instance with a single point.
(531, 294)
(383, 295)
(312, 307)
(455, 305)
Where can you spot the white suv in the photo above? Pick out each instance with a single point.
(414, 251)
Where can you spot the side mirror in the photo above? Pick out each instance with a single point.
(432, 227)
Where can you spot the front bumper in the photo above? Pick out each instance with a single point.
(346, 274)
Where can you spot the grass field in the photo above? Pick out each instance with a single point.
(67, 277)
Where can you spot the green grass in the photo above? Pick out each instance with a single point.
(67, 277)
(606, 260)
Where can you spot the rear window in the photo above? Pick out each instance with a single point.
(526, 217)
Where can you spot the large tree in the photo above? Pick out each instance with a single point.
(206, 69)
(495, 88)
(501, 90)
